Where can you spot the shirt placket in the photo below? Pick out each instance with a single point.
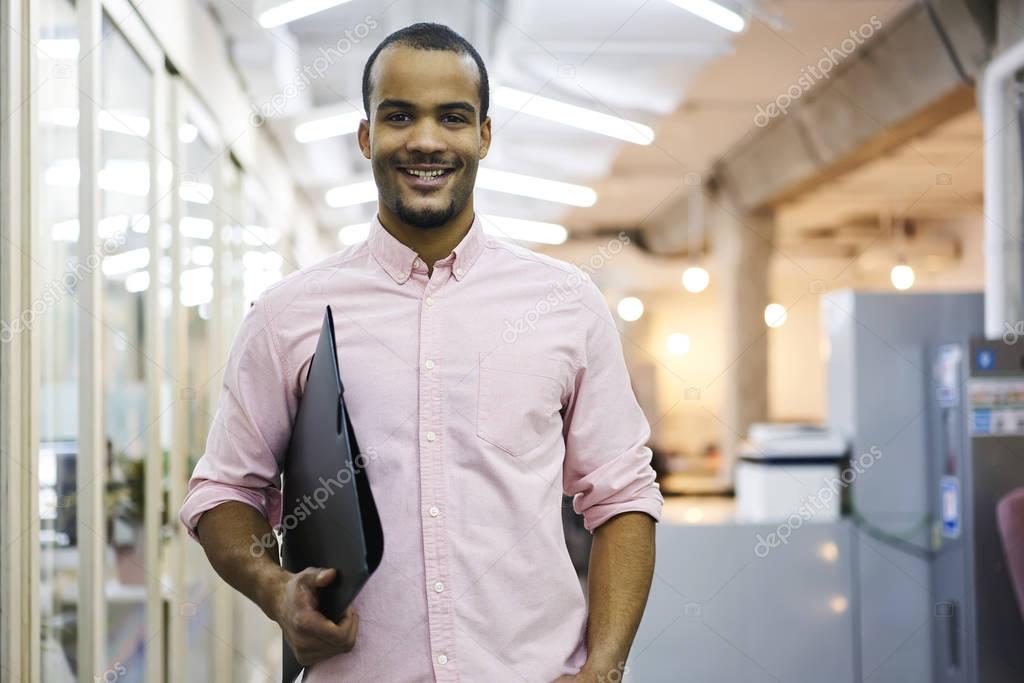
(433, 489)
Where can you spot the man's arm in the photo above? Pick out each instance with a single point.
(621, 569)
(243, 550)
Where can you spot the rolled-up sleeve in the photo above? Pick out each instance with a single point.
(607, 467)
(250, 429)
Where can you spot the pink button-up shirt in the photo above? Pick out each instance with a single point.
(478, 395)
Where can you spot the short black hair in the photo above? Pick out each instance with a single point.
(429, 36)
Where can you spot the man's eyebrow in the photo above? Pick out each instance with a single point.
(406, 104)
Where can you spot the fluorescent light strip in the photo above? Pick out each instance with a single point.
(350, 195)
(487, 179)
(537, 188)
(58, 48)
(571, 115)
(196, 228)
(524, 230)
(713, 12)
(295, 9)
(196, 193)
(328, 127)
(112, 122)
(126, 261)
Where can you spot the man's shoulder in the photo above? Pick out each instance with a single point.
(528, 258)
(317, 277)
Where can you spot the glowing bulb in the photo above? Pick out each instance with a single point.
(695, 279)
(678, 343)
(838, 604)
(631, 309)
(902, 276)
(829, 551)
(775, 315)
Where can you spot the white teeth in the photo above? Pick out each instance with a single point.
(424, 174)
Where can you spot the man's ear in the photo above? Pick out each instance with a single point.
(364, 138)
(485, 137)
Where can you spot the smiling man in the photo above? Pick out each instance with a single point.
(471, 434)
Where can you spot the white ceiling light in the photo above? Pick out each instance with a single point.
(195, 192)
(695, 279)
(188, 133)
(354, 234)
(902, 276)
(125, 176)
(58, 48)
(328, 127)
(112, 122)
(196, 228)
(571, 115)
(775, 315)
(524, 230)
(201, 255)
(537, 188)
(678, 344)
(126, 261)
(295, 9)
(350, 195)
(713, 12)
(488, 179)
(137, 281)
(630, 309)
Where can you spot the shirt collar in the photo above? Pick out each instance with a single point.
(399, 261)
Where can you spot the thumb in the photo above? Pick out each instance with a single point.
(324, 577)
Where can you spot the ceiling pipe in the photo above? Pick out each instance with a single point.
(995, 81)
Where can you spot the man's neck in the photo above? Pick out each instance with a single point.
(431, 244)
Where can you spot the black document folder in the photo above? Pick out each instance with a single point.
(334, 521)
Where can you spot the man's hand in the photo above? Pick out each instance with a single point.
(312, 636)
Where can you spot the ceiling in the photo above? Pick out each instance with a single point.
(649, 61)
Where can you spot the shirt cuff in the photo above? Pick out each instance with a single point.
(206, 495)
(650, 502)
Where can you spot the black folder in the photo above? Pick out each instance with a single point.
(340, 528)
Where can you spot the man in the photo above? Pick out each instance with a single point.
(472, 421)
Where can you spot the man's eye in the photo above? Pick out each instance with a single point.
(453, 118)
(397, 117)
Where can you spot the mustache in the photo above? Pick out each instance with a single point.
(424, 161)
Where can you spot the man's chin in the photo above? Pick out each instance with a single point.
(426, 217)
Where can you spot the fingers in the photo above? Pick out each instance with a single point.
(316, 638)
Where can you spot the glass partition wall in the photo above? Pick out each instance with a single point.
(149, 239)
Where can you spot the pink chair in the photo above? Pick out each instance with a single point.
(1010, 514)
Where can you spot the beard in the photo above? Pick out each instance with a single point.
(425, 218)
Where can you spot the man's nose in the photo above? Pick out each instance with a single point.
(426, 137)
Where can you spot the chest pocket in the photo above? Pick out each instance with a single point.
(519, 401)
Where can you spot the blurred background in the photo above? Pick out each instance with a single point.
(805, 214)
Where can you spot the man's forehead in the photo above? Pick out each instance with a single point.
(424, 77)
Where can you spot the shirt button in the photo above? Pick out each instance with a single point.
(429, 364)
(430, 301)
(434, 511)
(458, 271)
(442, 659)
(438, 587)
(431, 436)
(401, 274)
